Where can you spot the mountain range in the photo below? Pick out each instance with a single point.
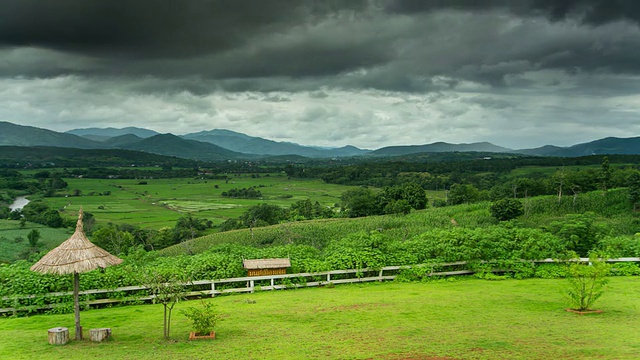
(220, 144)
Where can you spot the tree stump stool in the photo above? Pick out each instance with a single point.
(100, 334)
(58, 336)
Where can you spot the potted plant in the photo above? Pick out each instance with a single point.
(204, 319)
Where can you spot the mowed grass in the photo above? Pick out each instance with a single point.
(154, 203)
(462, 319)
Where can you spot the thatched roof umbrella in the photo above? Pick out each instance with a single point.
(75, 255)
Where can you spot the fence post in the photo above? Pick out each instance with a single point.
(213, 288)
(252, 283)
(328, 278)
(380, 276)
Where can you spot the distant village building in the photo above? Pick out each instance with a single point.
(261, 267)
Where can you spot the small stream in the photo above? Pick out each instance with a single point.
(19, 203)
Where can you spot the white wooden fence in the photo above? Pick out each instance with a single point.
(253, 283)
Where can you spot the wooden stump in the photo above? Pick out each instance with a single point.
(58, 336)
(100, 334)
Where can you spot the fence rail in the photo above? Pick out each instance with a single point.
(253, 283)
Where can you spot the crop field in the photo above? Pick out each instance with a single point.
(154, 203)
(463, 318)
(13, 238)
(524, 171)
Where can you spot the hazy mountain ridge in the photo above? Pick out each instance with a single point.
(255, 145)
(20, 135)
(113, 132)
(220, 144)
(172, 145)
(438, 147)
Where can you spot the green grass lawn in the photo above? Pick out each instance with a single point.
(460, 319)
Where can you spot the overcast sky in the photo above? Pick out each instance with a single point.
(517, 73)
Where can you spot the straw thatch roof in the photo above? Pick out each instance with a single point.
(266, 263)
(75, 255)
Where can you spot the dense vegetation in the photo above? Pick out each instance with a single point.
(499, 209)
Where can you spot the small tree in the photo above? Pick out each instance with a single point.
(33, 236)
(203, 318)
(166, 289)
(506, 209)
(634, 189)
(605, 173)
(587, 282)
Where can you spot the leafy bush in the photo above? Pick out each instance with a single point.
(203, 318)
(586, 283)
(506, 209)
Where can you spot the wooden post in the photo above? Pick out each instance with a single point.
(272, 284)
(213, 289)
(76, 304)
(100, 334)
(58, 336)
(252, 283)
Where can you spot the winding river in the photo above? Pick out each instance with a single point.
(19, 203)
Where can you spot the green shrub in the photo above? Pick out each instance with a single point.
(586, 283)
(203, 318)
(506, 209)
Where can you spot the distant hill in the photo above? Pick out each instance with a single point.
(61, 157)
(610, 145)
(547, 150)
(172, 145)
(219, 144)
(438, 147)
(122, 140)
(19, 135)
(106, 133)
(606, 146)
(255, 145)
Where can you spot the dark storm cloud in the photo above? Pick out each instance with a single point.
(293, 45)
(590, 11)
(139, 28)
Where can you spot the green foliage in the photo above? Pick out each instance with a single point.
(34, 237)
(113, 240)
(305, 209)
(579, 232)
(166, 289)
(506, 209)
(360, 202)
(625, 269)
(620, 246)
(244, 193)
(263, 214)
(463, 194)
(358, 251)
(203, 318)
(188, 227)
(634, 189)
(587, 282)
(551, 271)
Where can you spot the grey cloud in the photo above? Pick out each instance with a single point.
(589, 11)
(277, 98)
(491, 102)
